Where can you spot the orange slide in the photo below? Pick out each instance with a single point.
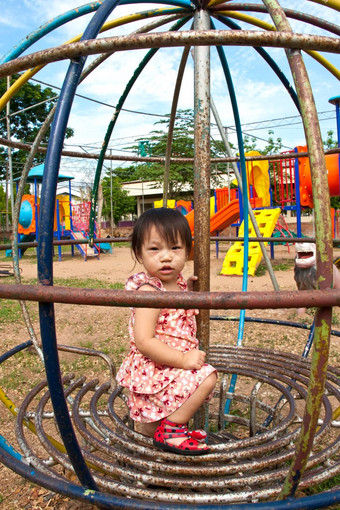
(225, 217)
(220, 220)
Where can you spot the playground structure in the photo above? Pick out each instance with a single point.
(119, 468)
(70, 221)
(292, 190)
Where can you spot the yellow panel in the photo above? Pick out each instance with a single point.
(233, 262)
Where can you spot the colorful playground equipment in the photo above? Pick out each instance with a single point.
(233, 262)
(79, 441)
(333, 176)
(292, 190)
(71, 221)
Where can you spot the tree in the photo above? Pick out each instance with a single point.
(25, 124)
(181, 175)
(272, 147)
(122, 203)
(330, 143)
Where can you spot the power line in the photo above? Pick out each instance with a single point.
(101, 102)
(264, 124)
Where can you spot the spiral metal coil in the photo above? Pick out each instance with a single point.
(248, 462)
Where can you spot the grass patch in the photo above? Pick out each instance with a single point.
(121, 245)
(10, 311)
(284, 266)
(82, 283)
(281, 266)
(88, 283)
(324, 486)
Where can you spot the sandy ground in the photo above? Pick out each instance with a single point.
(100, 326)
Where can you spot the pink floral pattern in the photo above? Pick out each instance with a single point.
(156, 391)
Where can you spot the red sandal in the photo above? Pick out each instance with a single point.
(169, 430)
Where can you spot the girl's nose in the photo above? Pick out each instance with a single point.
(166, 255)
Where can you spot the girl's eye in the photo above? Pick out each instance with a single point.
(176, 247)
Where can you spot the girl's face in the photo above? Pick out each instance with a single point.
(161, 259)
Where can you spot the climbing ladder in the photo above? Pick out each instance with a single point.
(233, 262)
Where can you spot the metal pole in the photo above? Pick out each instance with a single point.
(9, 166)
(202, 184)
(202, 172)
(111, 194)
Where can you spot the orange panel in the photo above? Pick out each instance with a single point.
(306, 193)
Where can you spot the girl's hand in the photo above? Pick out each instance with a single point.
(193, 360)
(190, 282)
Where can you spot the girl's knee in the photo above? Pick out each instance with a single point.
(211, 380)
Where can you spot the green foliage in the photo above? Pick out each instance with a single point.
(25, 126)
(272, 147)
(181, 175)
(330, 143)
(122, 203)
(2, 201)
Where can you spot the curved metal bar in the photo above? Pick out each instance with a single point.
(267, 26)
(107, 26)
(265, 55)
(48, 27)
(245, 202)
(45, 244)
(15, 349)
(324, 262)
(112, 124)
(58, 21)
(333, 4)
(260, 320)
(169, 40)
(107, 501)
(290, 13)
(239, 182)
(169, 141)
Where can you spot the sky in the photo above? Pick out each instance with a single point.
(262, 101)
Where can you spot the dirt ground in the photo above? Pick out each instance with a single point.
(96, 327)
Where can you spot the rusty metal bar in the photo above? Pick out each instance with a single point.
(66, 242)
(236, 470)
(169, 40)
(290, 13)
(324, 268)
(202, 300)
(202, 172)
(202, 186)
(160, 159)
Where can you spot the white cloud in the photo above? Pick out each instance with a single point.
(260, 94)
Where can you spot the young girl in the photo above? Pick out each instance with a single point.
(165, 371)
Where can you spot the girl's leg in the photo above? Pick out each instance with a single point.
(183, 414)
(194, 402)
(148, 429)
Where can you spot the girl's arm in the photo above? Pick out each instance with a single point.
(155, 349)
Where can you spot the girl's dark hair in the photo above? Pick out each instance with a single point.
(168, 222)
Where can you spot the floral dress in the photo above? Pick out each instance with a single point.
(156, 391)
